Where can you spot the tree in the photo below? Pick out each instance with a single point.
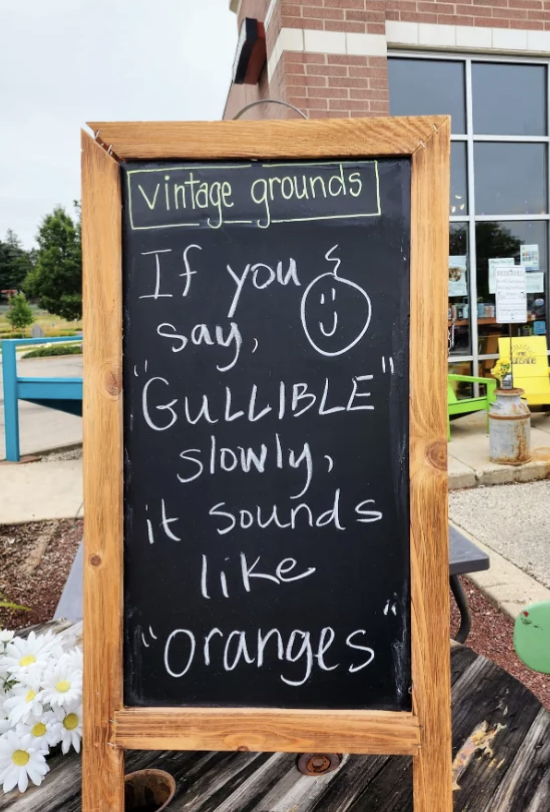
(56, 278)
(15, 262)
(20, 314)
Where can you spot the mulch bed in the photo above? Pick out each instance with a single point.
(492, 635)
(35, 560)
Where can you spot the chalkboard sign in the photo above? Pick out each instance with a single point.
(266, 375)
(265, 472)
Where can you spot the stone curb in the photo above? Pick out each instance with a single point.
(37, 456)
(506, 585)
(499, 475)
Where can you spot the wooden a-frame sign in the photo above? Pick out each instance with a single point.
(109, 726)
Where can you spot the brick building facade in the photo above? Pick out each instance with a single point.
(484, 62)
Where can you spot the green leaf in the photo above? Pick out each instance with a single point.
(10, 605)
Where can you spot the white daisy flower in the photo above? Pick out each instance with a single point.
(5, 693)
(25, 701)
(74, 658)
(69, 727)
(5, 725)
(61, 685)
(24, 656)
(19, 761)
(41, 730)
(6, 636)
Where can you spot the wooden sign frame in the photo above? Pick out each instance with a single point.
(109, 727)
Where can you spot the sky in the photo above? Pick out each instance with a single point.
(65, 62)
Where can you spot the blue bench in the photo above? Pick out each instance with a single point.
(63, 394)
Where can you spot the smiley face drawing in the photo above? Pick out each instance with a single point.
(335, 312)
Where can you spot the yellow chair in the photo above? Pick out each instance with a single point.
(530, 368)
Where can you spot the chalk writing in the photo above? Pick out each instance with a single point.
(322, 291)
(266, 434)
(195, 196)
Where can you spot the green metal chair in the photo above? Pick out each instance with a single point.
(532, 636)
(459, 407)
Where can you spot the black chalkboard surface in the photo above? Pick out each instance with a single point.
(266, 384)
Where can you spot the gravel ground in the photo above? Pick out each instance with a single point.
(514, 520)
(60, 456)
(35, 560)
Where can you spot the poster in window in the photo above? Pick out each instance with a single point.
(529, 257)
(535, 282)
(511, 295)
(494, 263)
(458, 281)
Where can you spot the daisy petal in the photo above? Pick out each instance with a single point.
(23, 781)
(10, 781)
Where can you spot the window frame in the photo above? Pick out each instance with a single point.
(471, 218)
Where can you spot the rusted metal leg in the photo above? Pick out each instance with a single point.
(462, 603)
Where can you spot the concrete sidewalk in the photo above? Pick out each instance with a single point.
(37, 491)
(469, 464)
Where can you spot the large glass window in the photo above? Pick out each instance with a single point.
(499, 201)
(509, 99)
(510, 178)
(509, 241)
(420, 88)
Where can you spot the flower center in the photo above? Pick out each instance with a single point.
(20, 758)
(63, 686)
(28, 659)
(30, 696)
(39, 729)
(70, 721)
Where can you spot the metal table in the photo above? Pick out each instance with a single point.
(464, 557)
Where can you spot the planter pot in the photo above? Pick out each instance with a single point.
(148, 791)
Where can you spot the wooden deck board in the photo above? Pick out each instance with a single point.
(510, 774)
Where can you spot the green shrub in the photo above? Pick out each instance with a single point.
(20, 314)
(54, 349)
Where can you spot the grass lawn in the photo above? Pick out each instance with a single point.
(52, 326)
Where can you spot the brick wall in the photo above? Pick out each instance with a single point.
(336, 85)
(325, 84)
(358, 16)
(529, 14)
(329, 57)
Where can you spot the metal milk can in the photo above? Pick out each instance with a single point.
(509, 428)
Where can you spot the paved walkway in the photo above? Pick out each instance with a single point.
(40, 490)
(512, 524)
